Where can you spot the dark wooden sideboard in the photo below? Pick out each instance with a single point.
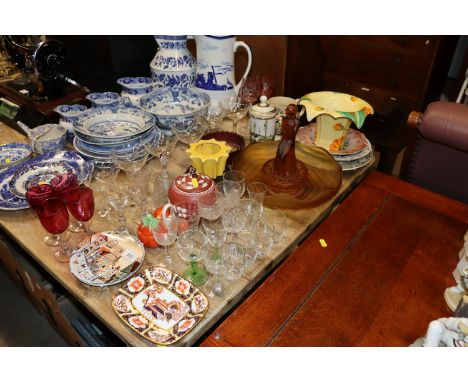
(391, 249)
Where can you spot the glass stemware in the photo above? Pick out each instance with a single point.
(236, 176)
(278, 219)
(161, 146)
(214, 263)
(210, 117)
(132, 161)
(256, 191)
(165, 234)
(105, 175)
(187, 215)
(192, 247)
(234, 263)
(83, 208)
(249, 90)
(188, 131)
(118, 199)
(53, 215)
(264, 236)
(235, 110)
(228, 192)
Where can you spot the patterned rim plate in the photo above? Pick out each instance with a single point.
(122, 122)
(13, 153)
(355, 141)
(159, 305)
(8, 200)
(107, 258)
(106, 149)
(358, 163)
(42, 172)
(360, 154)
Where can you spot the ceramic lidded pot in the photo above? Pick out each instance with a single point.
(192, 187)
(134, 88)
(334, 113)
(262, 121)
(173, 65)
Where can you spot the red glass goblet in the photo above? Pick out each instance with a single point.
(53, 215)
(249, 91)
(83, 208)
(266, 86)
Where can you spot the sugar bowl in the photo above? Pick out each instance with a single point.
(262, 121)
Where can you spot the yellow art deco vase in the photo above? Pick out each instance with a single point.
(209, 156)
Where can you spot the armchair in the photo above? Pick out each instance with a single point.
(439, 158)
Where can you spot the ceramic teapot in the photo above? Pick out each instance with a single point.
(215, 66)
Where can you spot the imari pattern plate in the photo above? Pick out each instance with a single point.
(160, 305)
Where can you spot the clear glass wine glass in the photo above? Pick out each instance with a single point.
(234, 263)
(214, 263)
(132, 161)
(165, 234)
(192, 247)
(235, 110)
(105, 175)
(236, 176)
(188, 131)
(187, 215)
(161, 147)
(228, 192)
(118, 198)
(211, 117)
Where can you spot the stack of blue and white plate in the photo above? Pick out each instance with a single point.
(100, 131)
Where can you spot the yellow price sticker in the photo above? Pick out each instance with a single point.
(323, 243)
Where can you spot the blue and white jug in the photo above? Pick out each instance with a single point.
(173, 65)
(215, 66)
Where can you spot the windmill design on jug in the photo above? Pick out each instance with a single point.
(212, 83)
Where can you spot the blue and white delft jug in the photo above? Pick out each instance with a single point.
(173, 65)
(215, 66)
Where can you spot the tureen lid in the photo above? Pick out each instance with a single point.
(263, 109)
(192, 183)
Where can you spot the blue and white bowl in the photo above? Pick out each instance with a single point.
(104, 100)
(134, 88)
(68, 115)
(110, 126)
(170, 105)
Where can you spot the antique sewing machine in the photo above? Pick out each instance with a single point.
(42, 82)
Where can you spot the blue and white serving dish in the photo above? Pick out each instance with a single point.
(14, 153)
(134, 88)
(104, 100)
(171, 105)
(101, 126)
(9, 200)
(68, 115)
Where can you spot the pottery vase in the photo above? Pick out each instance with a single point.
(173, 65)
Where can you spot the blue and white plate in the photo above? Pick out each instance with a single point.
(42, 172)
(109, 125)
(10, 201)
(13, 153)
(106, 149)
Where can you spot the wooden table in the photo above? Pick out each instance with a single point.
(391, 249)
(25, 229)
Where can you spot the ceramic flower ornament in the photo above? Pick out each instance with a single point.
(334, 113)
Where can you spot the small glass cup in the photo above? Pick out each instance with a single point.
(278, 219)
(165, 234)
(236, 176)
(246, 238)
(256, 191)
(117, 197)
(105, 175)
(187, 215)
(264, 234)
(228, 192)
(234, 262)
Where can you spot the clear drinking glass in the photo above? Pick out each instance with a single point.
(264, 236)
(246, 238)
(188, 131)
(132, 161)
(161, 147)
(234, 263)
(187, 215)
(210, 117)
(235, 110)
(165, 234)
(256, 191)
(105, 175)
(228, 192)
(192, 247)
(214, 263)
(118, 198)
(236, 176)
(278, 219)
